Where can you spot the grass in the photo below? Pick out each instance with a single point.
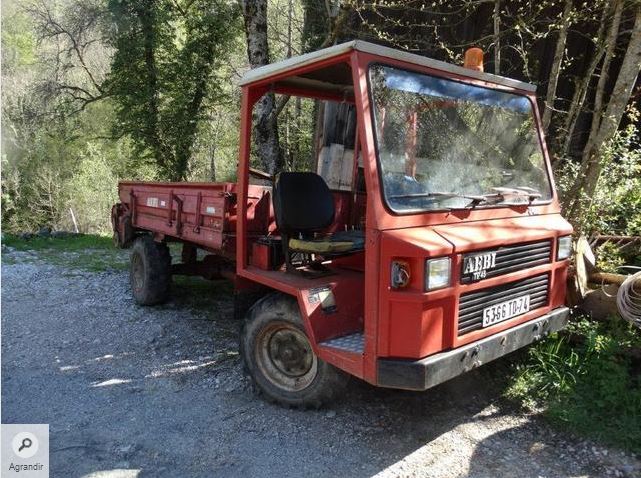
(586, 380)
(85, 252)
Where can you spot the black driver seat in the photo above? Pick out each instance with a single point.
(304, 206)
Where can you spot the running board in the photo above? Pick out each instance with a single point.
(354, 343)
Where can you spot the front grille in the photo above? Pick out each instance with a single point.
(505, 260)
(471, 304)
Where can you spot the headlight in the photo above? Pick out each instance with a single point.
(564, 248)
(437, 273)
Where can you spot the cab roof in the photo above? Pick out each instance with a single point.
(264, 72)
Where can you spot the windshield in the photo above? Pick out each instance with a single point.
(444, 144)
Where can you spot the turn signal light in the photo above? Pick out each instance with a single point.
(473, 59)
(400, 274)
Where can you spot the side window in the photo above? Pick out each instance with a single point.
(336, 139)
(314, 135)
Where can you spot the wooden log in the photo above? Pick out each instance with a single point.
(607, 278)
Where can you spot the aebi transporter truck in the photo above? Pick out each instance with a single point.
(423, 237)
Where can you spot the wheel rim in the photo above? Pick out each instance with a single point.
(284, 355)
(137, 272)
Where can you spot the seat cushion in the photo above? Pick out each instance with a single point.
(319, 246)
(355, 236)
(342, 242)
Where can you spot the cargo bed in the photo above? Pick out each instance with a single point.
(204, 214)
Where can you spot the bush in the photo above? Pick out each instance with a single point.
(62, 165)
(585, 381)
(92, 190)
(609, 258)
(615, 207)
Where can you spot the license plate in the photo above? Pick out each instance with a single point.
(505, 310)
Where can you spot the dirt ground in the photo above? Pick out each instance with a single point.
(159, 392)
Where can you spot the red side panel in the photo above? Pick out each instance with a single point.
(201, 213)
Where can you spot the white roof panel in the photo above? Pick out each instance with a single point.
(266, 71)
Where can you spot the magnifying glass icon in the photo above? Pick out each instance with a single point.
(26, 443)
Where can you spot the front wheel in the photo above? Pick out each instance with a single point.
(279, 357)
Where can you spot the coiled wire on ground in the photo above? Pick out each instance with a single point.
(629, 299)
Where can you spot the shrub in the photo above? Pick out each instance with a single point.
(615, 207)
(609, 258)
(585, 381)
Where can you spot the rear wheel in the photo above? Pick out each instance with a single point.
(279, 357)
(150, 271)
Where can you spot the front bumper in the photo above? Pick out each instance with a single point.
(430, 371)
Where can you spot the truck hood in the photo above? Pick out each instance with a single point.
(498, 232)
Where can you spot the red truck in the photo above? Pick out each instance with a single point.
(425, 240)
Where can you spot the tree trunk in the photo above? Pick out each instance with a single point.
(161, 155)
(185, 143)
(559, 51)
(265, 120)
(591, 163)
(577, 102)
(290, 10)
(574, 198)
(497, 37)
(212, 156)
(610, 45)
(580, 92)
(337, 18)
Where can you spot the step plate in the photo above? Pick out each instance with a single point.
(351, 343)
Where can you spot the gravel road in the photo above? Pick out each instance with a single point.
(159, 392)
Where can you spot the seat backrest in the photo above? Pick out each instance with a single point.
(302, 202)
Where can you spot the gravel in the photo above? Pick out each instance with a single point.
(159, 392)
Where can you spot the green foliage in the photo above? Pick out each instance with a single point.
(609, 258)
(585, 381)
(159, 98)
(58, 165)
(93, 189)
(615, 207)
(163, 72)
(57, 151)
(18, 40)
(297, 134)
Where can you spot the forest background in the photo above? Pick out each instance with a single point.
(94, 91)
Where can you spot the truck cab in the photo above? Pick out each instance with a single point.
(423, 237)
(462, 255)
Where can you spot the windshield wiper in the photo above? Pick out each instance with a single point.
(520, 191)
(475, 199)
(437, 194)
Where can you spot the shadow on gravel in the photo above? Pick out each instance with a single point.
(402, 423)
